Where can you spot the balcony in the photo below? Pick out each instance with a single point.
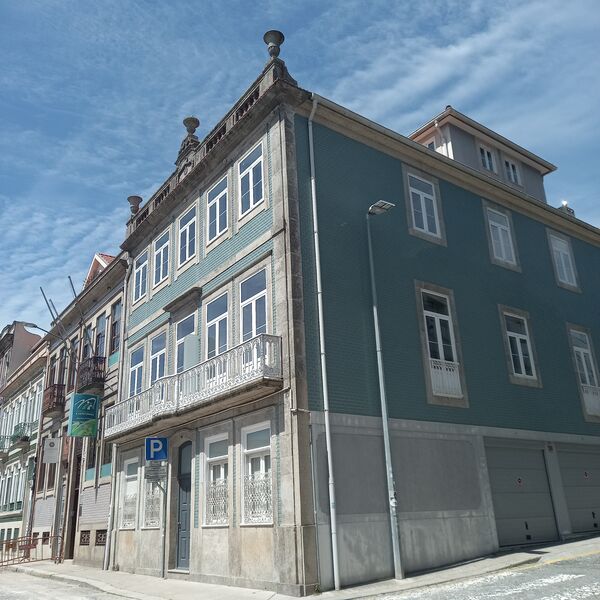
(92, 374)
(591, 399)
(53, 404)
(445, 378)
(4, 447)
(246, 372)
(21, 435)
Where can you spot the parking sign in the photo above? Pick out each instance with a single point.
(156, 448)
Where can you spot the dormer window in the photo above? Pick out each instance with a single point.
(512, 172)
(487, 158)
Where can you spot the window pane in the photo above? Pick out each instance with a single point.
(217, 449)
(257, 191)
(223, 214)
(131, 469)
(187, 218)
(137, 356)
(417, 211)
(589, 368)
(141, 260)
(261, 315)
(159, 343)
(515, 325)
(162, 240)
(256, 284)
(498, 218)
(222, 335)
(435, 304)
(247, 323)
(245, 189)
(526, 357)
(422, 186)
(212, 221)
(430, 212)
(254, 155)
(514, 352)
(192, 239)
(216, 308)
(579, 340)
(434, 351)
(258, 439)
(446, 340)
(220, 187)
(185, 327)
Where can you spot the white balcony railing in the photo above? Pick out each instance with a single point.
(591, 398)
(253, 360)
(445, 378)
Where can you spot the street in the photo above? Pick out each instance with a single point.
(574, 579)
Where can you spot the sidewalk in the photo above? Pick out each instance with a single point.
(143, 587)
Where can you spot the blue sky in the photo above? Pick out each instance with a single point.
(92, 94)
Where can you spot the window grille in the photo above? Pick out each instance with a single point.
(84, 537)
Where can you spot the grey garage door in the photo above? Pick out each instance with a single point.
(521, 495)
(580, 472)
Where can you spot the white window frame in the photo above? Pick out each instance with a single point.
(140, 270)
(247, 456)
(180, 342)
(439, 317)
(488, 159)
(124, 479)
(428, 142)
(252, 301)
(507, 229)
(511, 171)
(555, 240)
(216, 201)
(139, 373)
(209, 464)
(186, 229)
(519, 337)
(579, 355)
(215, 323)
(422, 197)
(158, 358)
(158, 258)
(248, 171)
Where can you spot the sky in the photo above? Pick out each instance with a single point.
(92, 94)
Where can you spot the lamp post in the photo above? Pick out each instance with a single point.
(381, 207)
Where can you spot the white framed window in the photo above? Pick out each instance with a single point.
(430, 143)
(217, 472)
(158, 357)
(153, 504)
(584, 359)
(216, 221)
(140, 276)
(184, 328)
(216, 326)
(423, 205)
(564, 265)
(519, 346)
(251, 180)
(253, 305)
(136, 371)
(257, 491)
(486, 156)
(187, 236)
(501, 236)
(129, 494)
(161, 258)
(512, 171)
(441, 345)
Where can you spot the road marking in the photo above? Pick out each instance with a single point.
(539, 564)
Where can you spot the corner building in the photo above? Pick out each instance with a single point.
(486, 303)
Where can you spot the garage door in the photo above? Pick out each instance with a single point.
(521, 495)
(580, 472)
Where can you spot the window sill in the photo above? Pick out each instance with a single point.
(127, 529)
(210, 245)
(434, 239)
(533, 382)
(160, 286)
(184, 266)
(224, 526)
(271, 524)
(139, 301)
(569, 287)
(505, 264)
(251, 213)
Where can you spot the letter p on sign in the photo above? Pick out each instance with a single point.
(156, 448)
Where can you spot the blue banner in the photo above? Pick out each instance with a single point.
(83, 416)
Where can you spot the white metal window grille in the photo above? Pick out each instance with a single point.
(253, 296)
(140, 276)
(424, 207)
(487, 158)
(512, 173)
(501, 235)
(257, 485)
(563, 261)
(161, 258)
(136, 371)
(216, 326)
(216, 223)
(216, 482)
(519, 345)
(129, 493)
(152, 504)
(441, 346)
(251, 180)
(184, 328)
(187, 236)
(158, 357)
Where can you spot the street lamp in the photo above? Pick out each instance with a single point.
(381, 207)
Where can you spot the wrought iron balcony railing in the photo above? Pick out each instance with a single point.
(445, 378)
(22, 432)
(251, 362)
(92, 373)
(53, 404)
(4, 446)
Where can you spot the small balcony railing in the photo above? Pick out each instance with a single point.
(22, 433)
(591, 399)
(92, 373)
(53, 404)
(250, 362)
(4, 446)
(445, 378)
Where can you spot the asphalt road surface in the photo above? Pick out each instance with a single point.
(18, 586)
(577, 578)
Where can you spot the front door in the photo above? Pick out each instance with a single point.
(184, 480)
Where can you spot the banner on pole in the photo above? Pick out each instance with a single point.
(83, 417)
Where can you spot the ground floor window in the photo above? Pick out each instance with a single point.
(217, 469)
(257, 481)
(129, 493)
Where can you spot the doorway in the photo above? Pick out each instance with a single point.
(184, 484)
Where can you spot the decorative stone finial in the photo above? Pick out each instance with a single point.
(273, 39)
(134, 203)
(191, 124)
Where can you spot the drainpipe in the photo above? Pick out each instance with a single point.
(324, 388)
(113, 472)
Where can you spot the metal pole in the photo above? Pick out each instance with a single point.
(398, 572)
(163, 540)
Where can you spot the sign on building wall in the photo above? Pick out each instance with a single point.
(51, 450)
(83, 417)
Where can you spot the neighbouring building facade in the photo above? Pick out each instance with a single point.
(244, 313)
